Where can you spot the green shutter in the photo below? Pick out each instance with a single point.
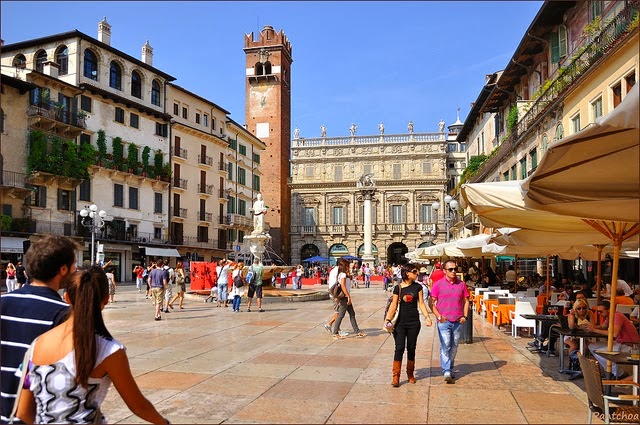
(562, 41)
(555, 48)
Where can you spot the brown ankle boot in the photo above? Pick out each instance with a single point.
(411, 365)
(397, 367)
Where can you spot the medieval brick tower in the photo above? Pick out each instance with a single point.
(268, 117)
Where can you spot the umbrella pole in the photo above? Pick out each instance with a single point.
(515, 268)
(599, 273)
(617, 244)
(548, 276)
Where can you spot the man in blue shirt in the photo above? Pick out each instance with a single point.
(158, 279)
(33, 309)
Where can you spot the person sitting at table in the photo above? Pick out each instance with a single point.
(579, 316)
(621, 284)
(567, 293)
(623, 331)
(622, 299)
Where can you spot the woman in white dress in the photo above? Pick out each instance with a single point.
(73, 365)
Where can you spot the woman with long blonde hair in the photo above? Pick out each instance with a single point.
(180, 285)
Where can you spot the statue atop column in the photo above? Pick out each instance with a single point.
(441, 125)
(410, 127)
(296, 133)
(353, 129)
(323, 131)
(366, 181)
(381, 127)
(259, 210)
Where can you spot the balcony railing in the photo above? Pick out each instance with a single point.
(12, 179)
(224, 220)
(196, 242)
(308, 230)
(205, 188)
(178, 212)
(239, 220)
(48, 110)
(180, 183)
(206, 216)
(205, 160)
(585, 59)
(223, 166)
(180, 152)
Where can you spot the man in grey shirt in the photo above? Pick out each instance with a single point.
(255, 286)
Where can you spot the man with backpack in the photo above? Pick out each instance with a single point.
(254, 279)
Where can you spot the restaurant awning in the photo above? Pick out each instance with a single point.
(160, 252)
(10, 245)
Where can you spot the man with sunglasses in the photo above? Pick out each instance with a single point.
(624, 332)
(449, 301)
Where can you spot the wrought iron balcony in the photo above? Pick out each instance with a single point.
(240, 220)
(180, 183)
(205, 188)
(180, 152)
(48, 117)
(223, 166)
(178, 212)
(205, 160)
(205, 216)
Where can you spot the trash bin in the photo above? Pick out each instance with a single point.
(466, 329)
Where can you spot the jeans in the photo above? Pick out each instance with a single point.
(367, 281)
(406, 334)
(236, 302)
(343, 308)
(139, 282)
(449, 334)
(222, 292)
(11, 285)
(603, 346)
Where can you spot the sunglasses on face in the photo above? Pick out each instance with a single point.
(415, 271)
(452, 269)
(581, 308)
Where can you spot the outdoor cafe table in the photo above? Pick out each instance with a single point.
(623, 359)
(540, 319)
(487, 305)
(578, 333)
(503, 313)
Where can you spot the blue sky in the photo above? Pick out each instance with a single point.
(361, 62)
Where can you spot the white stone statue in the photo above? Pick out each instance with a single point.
(441, 125)
(296, 133)
(323, 131)
(259, 210)
(410, 127)
(381, 127)
(353, 129)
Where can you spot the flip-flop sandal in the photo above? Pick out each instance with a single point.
(361, 335)
(338, 337)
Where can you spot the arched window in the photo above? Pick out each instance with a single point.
(559, 131)
(90, 65)
(41, 58)
(545, 142)
(309, 250)
(155, 93)
(62, 59)
(136, 85)
(115, 76)
(267, 68)
(259, 69)
(19, 61)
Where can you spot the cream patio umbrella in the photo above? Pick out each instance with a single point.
(595, 175)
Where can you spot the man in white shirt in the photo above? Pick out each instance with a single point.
(333, 279)
(621, 284)
(168, 294)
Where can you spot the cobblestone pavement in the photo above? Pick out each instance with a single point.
(209, 365)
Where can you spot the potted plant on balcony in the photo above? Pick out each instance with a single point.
(102, 147)
(87, 155)
(132, 158)
(37, 151)
(166, 172)
(157, 163)
(146, 155)
(118, 153)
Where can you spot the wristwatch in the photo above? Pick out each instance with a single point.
(439, 318)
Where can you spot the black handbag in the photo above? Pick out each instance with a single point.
(238, 282)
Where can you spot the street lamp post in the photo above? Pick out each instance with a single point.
(448, 214)
(93, 220)
(431, 233)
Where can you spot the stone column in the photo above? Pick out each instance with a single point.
(368, 227)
